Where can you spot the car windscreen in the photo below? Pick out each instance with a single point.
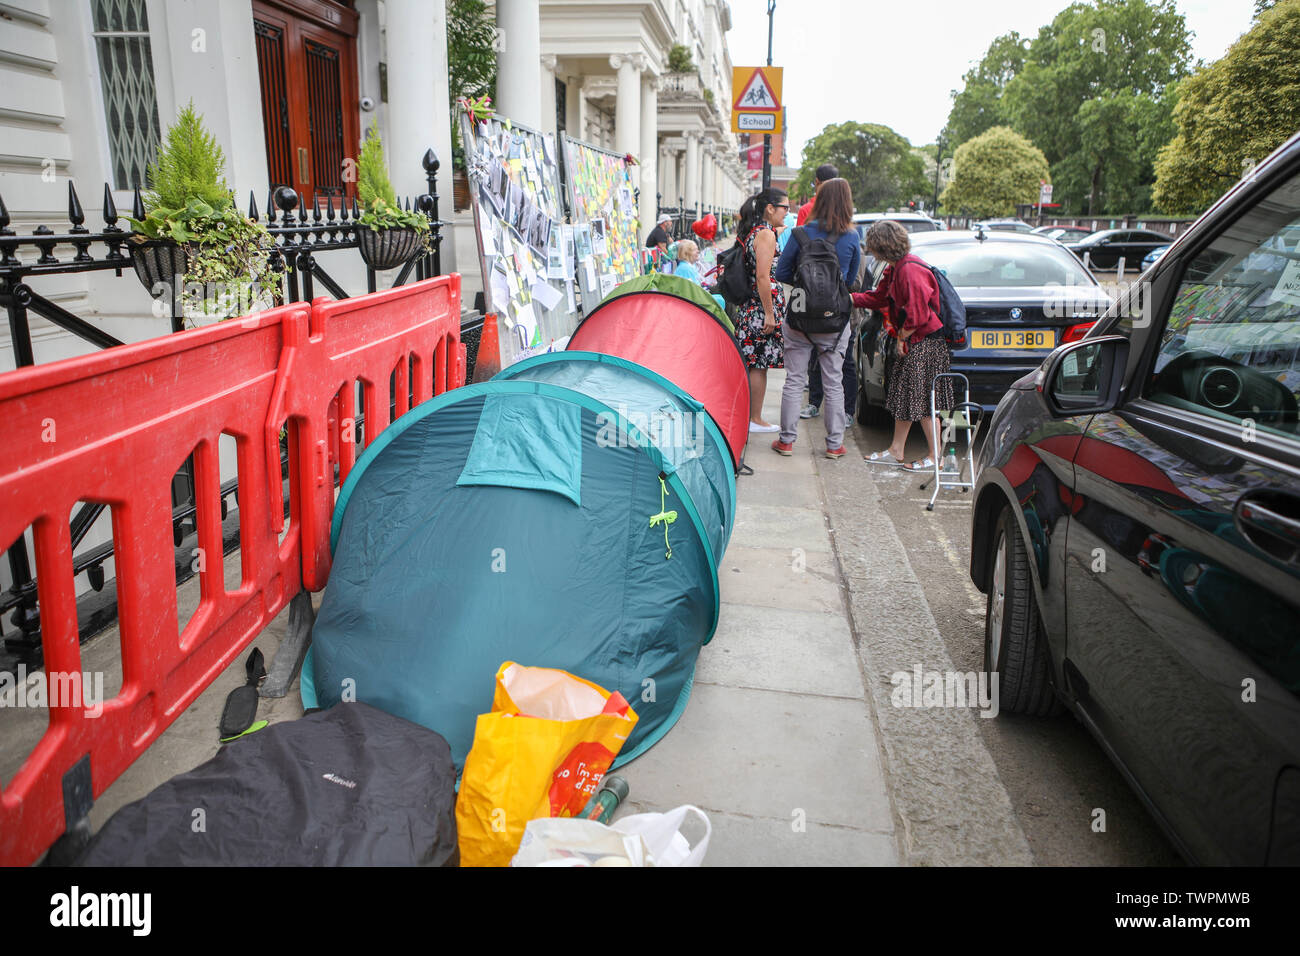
(1005, 264)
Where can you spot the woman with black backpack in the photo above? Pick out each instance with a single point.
(820, 260)
(759, 317)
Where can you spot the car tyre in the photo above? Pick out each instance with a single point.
(1015, 644)
(869, 415)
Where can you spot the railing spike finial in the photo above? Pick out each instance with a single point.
(270, 207)
(286, 199)
(408, 203)
(329, 207)
(343, 208)
(356, 212)
(137, 204)
(4, 215)
(76, 215)
(110, 208)
(430, 161)
(252, 206)
(315, 209)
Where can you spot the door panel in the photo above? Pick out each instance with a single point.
(1181, 614)
(306, 53)
(1185, 631)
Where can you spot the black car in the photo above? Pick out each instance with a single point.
(1104, 249)
(1136, 528)
(1024, 295)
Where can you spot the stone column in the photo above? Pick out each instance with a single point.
(692, 192)
(547, 90)
(627, 111)
(418, 113)
(710, 183)
(518, 97)
(573, 107)
(649, 154)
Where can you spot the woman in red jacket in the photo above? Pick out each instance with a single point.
(909, 298)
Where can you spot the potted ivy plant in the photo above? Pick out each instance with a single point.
(388, 235)
(191, 232)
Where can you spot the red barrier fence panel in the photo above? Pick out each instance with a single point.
(407, 336)
(114, 428)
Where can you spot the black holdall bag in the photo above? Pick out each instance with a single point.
(348, 786)
(733, 283)
(820, 302)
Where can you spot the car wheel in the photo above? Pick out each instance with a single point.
(869, 415)
(1015, 645)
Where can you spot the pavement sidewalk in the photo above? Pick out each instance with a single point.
(778, 744)
(789, 742)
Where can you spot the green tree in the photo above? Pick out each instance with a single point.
(679, 59)
(1096, 82)
(978, 105)
(471, 59)
(471, 52)
(189, 165)
(993, 172)
(1232, 114)
(879, 164)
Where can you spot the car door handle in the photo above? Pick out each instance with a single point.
(1271, 523)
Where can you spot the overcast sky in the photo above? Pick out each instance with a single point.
(833, 51)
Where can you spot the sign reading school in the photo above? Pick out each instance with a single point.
(757, 107)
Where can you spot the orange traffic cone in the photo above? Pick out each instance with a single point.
(488, 360)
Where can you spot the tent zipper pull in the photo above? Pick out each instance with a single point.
(667, 517)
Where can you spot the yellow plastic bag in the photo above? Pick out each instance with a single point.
(541, 752)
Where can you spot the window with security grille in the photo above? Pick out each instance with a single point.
(121, 30)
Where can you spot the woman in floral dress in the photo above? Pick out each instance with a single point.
(758, 320)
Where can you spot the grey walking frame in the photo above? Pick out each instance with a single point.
(965, 417)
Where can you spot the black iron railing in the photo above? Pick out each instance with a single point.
(299, 236)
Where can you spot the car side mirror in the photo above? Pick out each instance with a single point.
(1085, 377)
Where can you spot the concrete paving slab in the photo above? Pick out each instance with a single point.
(769, 754)
(759, 526)
(780, 577)
(804, 652)
(772, 484)
(739, 840)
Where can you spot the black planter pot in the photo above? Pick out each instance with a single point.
(158, 261)
(387, 248)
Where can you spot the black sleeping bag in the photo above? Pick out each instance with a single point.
(351, 785)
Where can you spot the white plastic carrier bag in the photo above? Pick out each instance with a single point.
(642, 839)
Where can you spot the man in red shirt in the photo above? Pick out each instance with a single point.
(825, 173)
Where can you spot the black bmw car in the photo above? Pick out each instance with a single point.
(1105, 249)
(1024, 296)
(1136, 528)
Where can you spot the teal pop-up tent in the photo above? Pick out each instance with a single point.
(527, 519)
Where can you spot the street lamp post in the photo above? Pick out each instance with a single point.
(767, 137)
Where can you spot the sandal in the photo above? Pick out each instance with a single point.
(926, 464)
(883, 457)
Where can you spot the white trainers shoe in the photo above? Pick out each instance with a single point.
(809, 411)
(756, 427)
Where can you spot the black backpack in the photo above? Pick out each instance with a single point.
(820, 302)
(733, 282)
(952, 311)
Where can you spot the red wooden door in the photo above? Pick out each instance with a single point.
(307, 62)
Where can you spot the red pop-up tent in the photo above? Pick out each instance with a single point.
(673, 327)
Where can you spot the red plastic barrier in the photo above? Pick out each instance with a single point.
(115, 427)
(366, 340)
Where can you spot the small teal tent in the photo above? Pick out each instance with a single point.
(529, 518)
